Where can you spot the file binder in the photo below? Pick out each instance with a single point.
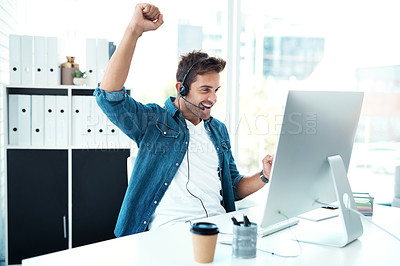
(53, 71)
(37, 120)
(19, 112)
(40, 60)
(13, 127)
(27, 60)
(100, 124)
(83, 121)
(91, 54)
(15, 59)
(77, 120)
(49, 120)
(102, 58)
(90, 120)
(24, 120)
(111, 49)
(61, 120)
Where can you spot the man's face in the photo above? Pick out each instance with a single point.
(203, 93)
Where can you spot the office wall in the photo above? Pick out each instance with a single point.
(8, 24)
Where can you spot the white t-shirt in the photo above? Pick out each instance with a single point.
(178, 205)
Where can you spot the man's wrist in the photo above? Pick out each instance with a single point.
(134, 30)
(264, 178)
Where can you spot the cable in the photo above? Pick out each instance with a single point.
(202, 204)
(298, 242)
(365, 218)
(188, 173)
(279, 255)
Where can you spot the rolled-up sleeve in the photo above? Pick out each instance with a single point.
(111, 96)
(235, 176)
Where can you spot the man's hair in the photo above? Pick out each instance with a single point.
(202, 64)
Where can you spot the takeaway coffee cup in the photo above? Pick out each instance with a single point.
(204, 239)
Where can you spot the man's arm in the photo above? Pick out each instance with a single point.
(146, 17)
(250, 184)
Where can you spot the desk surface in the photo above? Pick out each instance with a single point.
(173, 246)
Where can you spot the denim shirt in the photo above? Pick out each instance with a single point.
(163, 138)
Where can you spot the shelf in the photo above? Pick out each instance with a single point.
(20, 147)
(51, 86)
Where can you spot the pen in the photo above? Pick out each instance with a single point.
(246, 220)
(235, 222)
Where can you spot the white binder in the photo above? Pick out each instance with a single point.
(20, 119)
(15, 59)
(91, 54)
(37, 132)
(53, 71)
(83, 122)
(24, 120)
(77, 120)
(91, 119)
(100, 123)
(49, 120)
(13, 127)
(102, 58)
(61, 120)
(40, 60)
(27, 60)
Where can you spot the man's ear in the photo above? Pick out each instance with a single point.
(178, 86)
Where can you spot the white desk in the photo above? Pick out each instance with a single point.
(173, 246)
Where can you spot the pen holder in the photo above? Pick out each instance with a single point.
(244, 241)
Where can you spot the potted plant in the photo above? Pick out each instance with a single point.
(79, 77)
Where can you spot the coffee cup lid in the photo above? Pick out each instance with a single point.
(203, 228)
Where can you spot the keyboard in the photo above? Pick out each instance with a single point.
(264, 231)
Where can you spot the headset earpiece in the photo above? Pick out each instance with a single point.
(182, 90)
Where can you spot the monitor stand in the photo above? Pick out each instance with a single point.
(351, 222)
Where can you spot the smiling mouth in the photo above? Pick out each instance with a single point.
(208, 107)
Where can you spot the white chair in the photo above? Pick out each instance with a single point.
(396, 199)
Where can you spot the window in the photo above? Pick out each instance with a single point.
(310, 45)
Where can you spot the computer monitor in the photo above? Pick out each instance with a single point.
(311, 161)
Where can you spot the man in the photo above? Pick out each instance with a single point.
(184, 168)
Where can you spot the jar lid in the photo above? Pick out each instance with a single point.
(203, 228)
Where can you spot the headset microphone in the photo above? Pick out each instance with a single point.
(202, 108)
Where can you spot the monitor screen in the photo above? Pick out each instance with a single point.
(316, 125)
